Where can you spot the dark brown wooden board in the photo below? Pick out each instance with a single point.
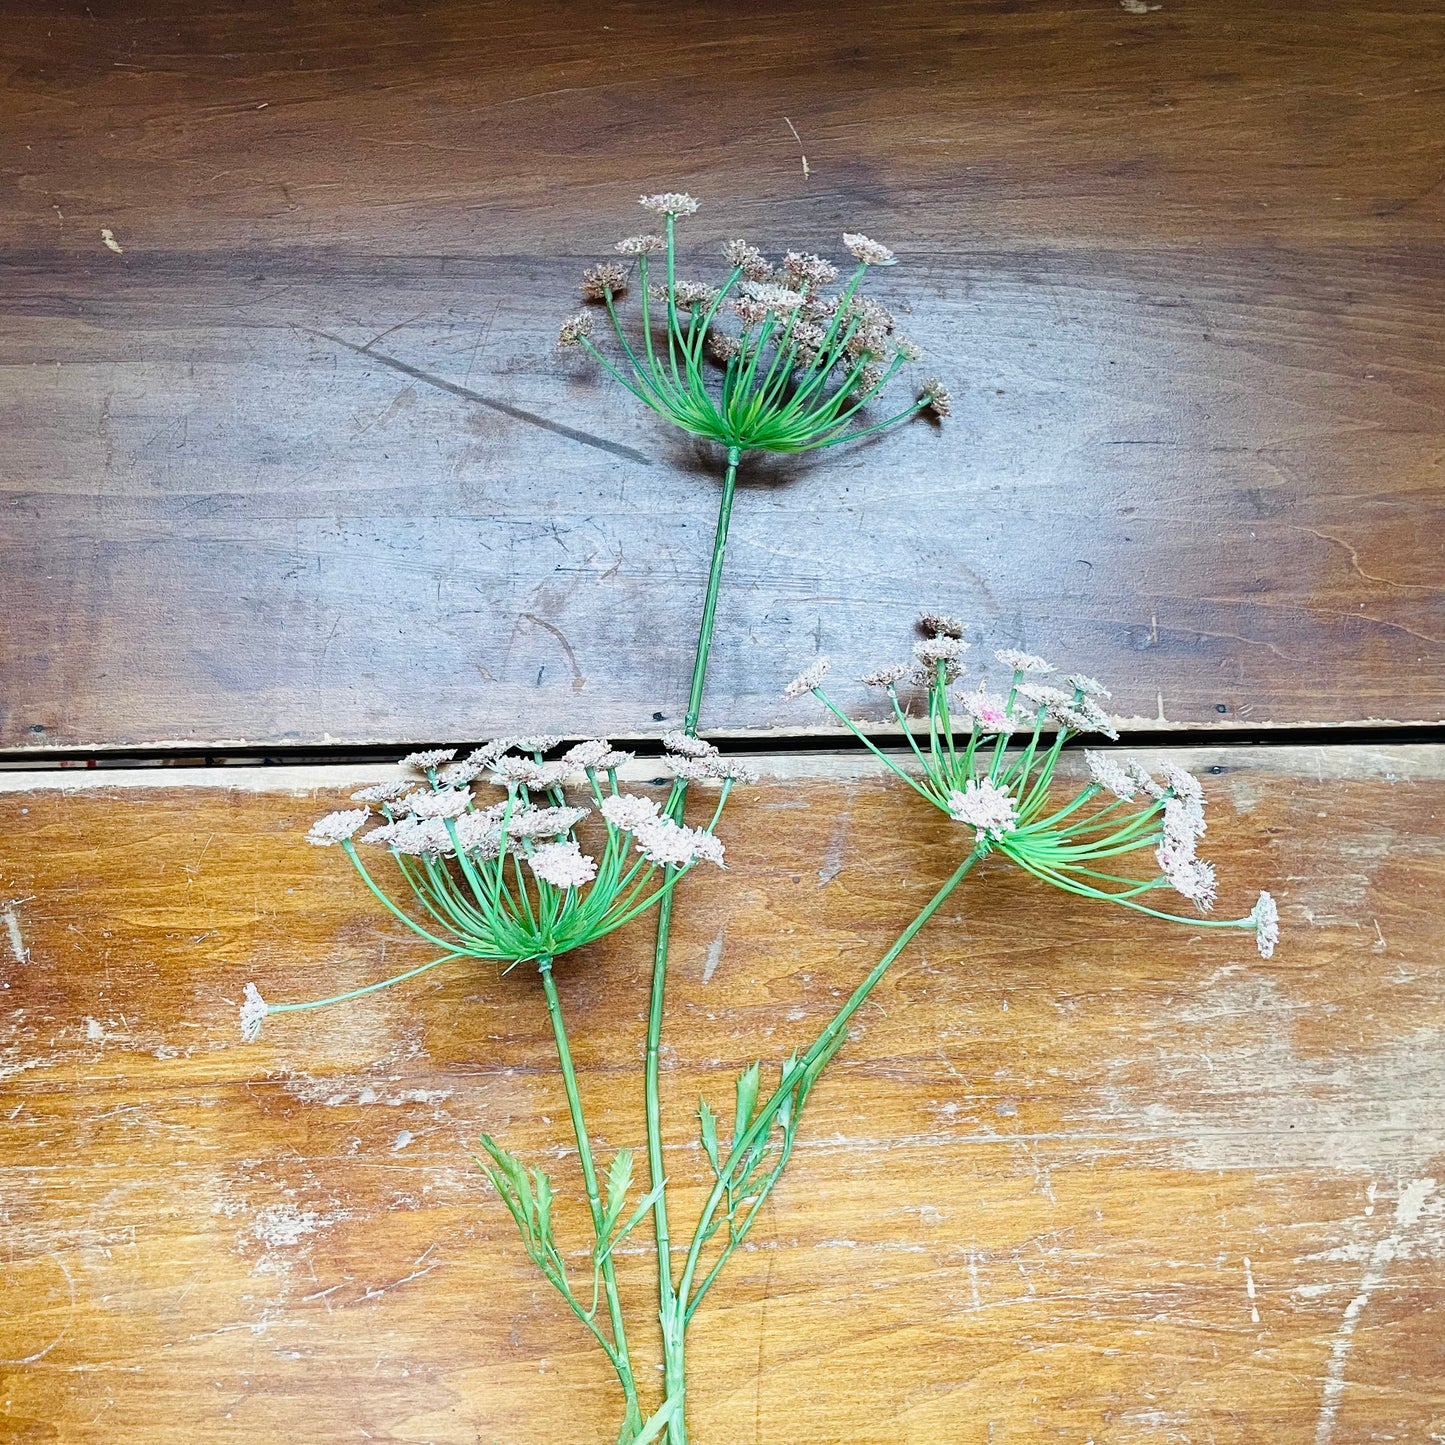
(285, 466)
(1076, 1176)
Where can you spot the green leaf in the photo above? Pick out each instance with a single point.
(509, 1179)
(638, 1214)
(619, 1180)
(543, 1204)
(785, 1114)
(708, 1120)
(659, 1422)
(748, 1082)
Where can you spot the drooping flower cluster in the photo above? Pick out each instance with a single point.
(509, 880)
(798, 361)
(966, 768)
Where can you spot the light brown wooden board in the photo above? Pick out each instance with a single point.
(1182, 270)
(1078, 1176)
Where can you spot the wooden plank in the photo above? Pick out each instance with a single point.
(1183, 271)
(1076, 1176)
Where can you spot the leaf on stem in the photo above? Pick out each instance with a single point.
(708, 1121)
(748, 1082)
(619, 1180)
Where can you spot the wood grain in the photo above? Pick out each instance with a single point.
(1075, 1177)
(285, 468)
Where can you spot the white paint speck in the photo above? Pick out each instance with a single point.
(283, 1225)
(111, 244)
(714, 955)
(1249, 1290)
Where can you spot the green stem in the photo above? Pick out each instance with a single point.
(286, 1008)
(807, 1068)
(589, 1177)
(709, 604)
(672, 1326)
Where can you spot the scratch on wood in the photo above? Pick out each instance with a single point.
(833, 857)
(41, 1354)
(762, 1340)
(12, 930)
(1407, 1211)
(578, 681)
(799, 139)
(405, 1279)
(1250, 1291)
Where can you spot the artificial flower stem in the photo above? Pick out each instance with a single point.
(810, 1063)
(709, 604)
(350, 850)
(286, 1008)
(667, 1295)
(594, 1201)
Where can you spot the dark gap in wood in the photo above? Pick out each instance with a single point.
(1391, 735)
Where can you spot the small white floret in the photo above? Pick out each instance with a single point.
(337, 827)
(564, 865)
(807, 680)
(988, 808)
(254, 1011)
(1266, 924)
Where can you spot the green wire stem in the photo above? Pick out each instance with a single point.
(672, 1325)
(594, 1200)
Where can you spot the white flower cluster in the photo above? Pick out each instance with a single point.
(529, 773)
(699, 761)
(1266, 924)
(563, 865)
(938, 658)
(440, 820)
(855, 331)
(670, 203)
(870, 253)
(1112, 776)
(772, 297)
(939, 652)
(675, 845)
(442, 803)
(428, 761)
(807, 680)
(337, 827)
(988, 711)
(989, 809)
(659, 839)
(1022, 661)
(596, 754)
(1184, 824)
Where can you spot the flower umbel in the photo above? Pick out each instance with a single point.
(460, 862)
(990, 809)
(797, 372)
(965, 768)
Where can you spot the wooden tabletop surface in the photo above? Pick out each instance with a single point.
(1077, 1174)
(290, 457)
